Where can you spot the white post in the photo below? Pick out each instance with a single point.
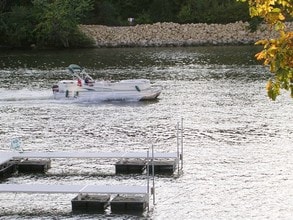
(181, 144)
(148, 180)
(178, 153)
(153, 170)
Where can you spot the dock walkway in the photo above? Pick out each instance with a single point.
(95, 189)
(6, 156)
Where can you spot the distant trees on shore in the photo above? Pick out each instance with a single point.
(117, 12)
(43, 23)
(54, 23)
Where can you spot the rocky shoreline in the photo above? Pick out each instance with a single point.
(173, 34)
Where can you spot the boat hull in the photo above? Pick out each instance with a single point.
(92, 95)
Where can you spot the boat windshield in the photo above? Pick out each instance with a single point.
(79, 72)
(73, 68)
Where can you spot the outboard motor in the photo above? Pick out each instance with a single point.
(55, 88)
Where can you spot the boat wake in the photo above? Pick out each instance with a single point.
(24, 95)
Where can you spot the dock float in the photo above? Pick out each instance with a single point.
(90, 204)
(33, 166)
(7, 169)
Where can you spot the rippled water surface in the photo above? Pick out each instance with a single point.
(238, 148)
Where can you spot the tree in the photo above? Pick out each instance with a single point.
(277, 53)
(59, 20)
(212, 11)
(45, 23)
(17, 30)
(161, 11)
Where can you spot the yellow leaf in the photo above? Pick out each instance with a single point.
(281, 17)
(269, 85)
(261, 42)
(261, 55)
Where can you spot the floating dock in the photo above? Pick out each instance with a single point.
(95, 198)
(92, 198)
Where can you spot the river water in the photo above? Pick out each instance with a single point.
(238, 148)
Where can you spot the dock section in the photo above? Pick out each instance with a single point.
(129, 162)
(91, 198)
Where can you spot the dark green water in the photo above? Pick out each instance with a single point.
(128, 57)
(23, 68)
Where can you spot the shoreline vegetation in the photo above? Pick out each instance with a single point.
(60, 24)
(166, 34)
(174, 34)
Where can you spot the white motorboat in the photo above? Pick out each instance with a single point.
(84, 88)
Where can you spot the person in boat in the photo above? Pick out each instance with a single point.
(88, 81)
(79, 82)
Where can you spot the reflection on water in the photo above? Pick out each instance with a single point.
(40, 69)
(238, 145)
(139, 58)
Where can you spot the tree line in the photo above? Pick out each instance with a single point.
(54, 23)
(116, 12)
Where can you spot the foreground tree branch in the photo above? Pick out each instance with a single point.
(277, 53)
